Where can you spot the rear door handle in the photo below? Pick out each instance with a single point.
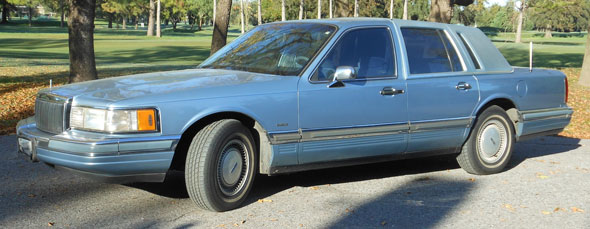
(391, 91)
(463, 86)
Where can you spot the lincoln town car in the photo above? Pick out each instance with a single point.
(300, 95)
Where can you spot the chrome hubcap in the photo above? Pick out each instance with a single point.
(233, 167)
(492, 141)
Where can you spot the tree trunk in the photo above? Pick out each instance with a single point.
(220, 27)
(5, 12)
(124, 22)
(215, 11)
(30, 15)
(242, 15)
(519, 25)
(158, 23)
(585, 74)
(548, 31)
(200, 22)
(63, 12)
(441, 11)
(283, 16)
(110, 16)
(81, 40)
(136, 22)
(301, 3)
(151, 19)
(319, 9)
(331, 7)
(405, 16)
(356, 8)
(391, 9)
(259, 12)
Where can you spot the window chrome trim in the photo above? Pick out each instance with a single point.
(395, 73)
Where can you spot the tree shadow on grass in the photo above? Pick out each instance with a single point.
(518, 57)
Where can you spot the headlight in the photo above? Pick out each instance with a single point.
(113, 121)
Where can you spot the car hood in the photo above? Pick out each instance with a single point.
(162, 86)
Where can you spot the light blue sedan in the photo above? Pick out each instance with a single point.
(301, 95)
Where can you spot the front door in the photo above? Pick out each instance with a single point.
(363, 117)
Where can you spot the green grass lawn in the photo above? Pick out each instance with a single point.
(30, 56)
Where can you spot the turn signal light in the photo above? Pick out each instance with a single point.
(146, 120)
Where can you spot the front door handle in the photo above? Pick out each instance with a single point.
(391, 91)
(463, 86)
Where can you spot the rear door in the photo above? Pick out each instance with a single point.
(442, 93)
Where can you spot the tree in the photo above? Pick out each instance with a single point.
(283, 16)
(585, 74)
(151, 19)
(5, 11)
(561, 15)
(223, 12)
(259, 12)
(405, 16)
(27, 3)
(391, 9)
(521, 9)
(242, 15)
(301, 3)
(356, 8)
(442, 10)
(319, 9)
(158, 22)
(81, 40)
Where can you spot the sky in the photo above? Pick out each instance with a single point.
(500, 2)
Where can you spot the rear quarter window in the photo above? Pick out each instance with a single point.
(429, 50)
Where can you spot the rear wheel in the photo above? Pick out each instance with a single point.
(489, 146)
(220, 165)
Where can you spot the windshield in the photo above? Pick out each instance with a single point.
(279, 49)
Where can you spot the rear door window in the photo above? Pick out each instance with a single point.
(430, 51)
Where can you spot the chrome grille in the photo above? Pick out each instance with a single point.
(50, 112)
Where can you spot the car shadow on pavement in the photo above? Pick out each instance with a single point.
(420, 203)
(265, 186)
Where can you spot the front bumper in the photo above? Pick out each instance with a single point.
(137, 159)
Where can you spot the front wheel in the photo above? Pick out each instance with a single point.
(220, 165)
(489, 146)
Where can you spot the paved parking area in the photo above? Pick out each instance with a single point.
(547, 185)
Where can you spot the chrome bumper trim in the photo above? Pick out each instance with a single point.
(545, 114)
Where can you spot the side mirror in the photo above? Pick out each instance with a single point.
(342, 73)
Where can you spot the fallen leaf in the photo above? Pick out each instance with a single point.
(546, 213)
(314, 188)
(539, 160)
(236, 225)
(554, 162)
(274, 220)
(243, 222)
(575, 209)
(301, 225)
(383, 223)
(349, 210)
(220, 225)
(50, 224)
(558, 209)
(32, 195)
(472, 179)
(509, 207)
(541, 176)
(264, 200)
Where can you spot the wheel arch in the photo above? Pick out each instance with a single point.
(259, 134)
(505, 103)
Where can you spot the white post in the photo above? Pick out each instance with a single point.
(531, 57)
(50, 83)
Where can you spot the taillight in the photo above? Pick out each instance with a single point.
(567, 89)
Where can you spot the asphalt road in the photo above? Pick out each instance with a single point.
(547, 185)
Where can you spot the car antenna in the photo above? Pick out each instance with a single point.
(531, 57)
